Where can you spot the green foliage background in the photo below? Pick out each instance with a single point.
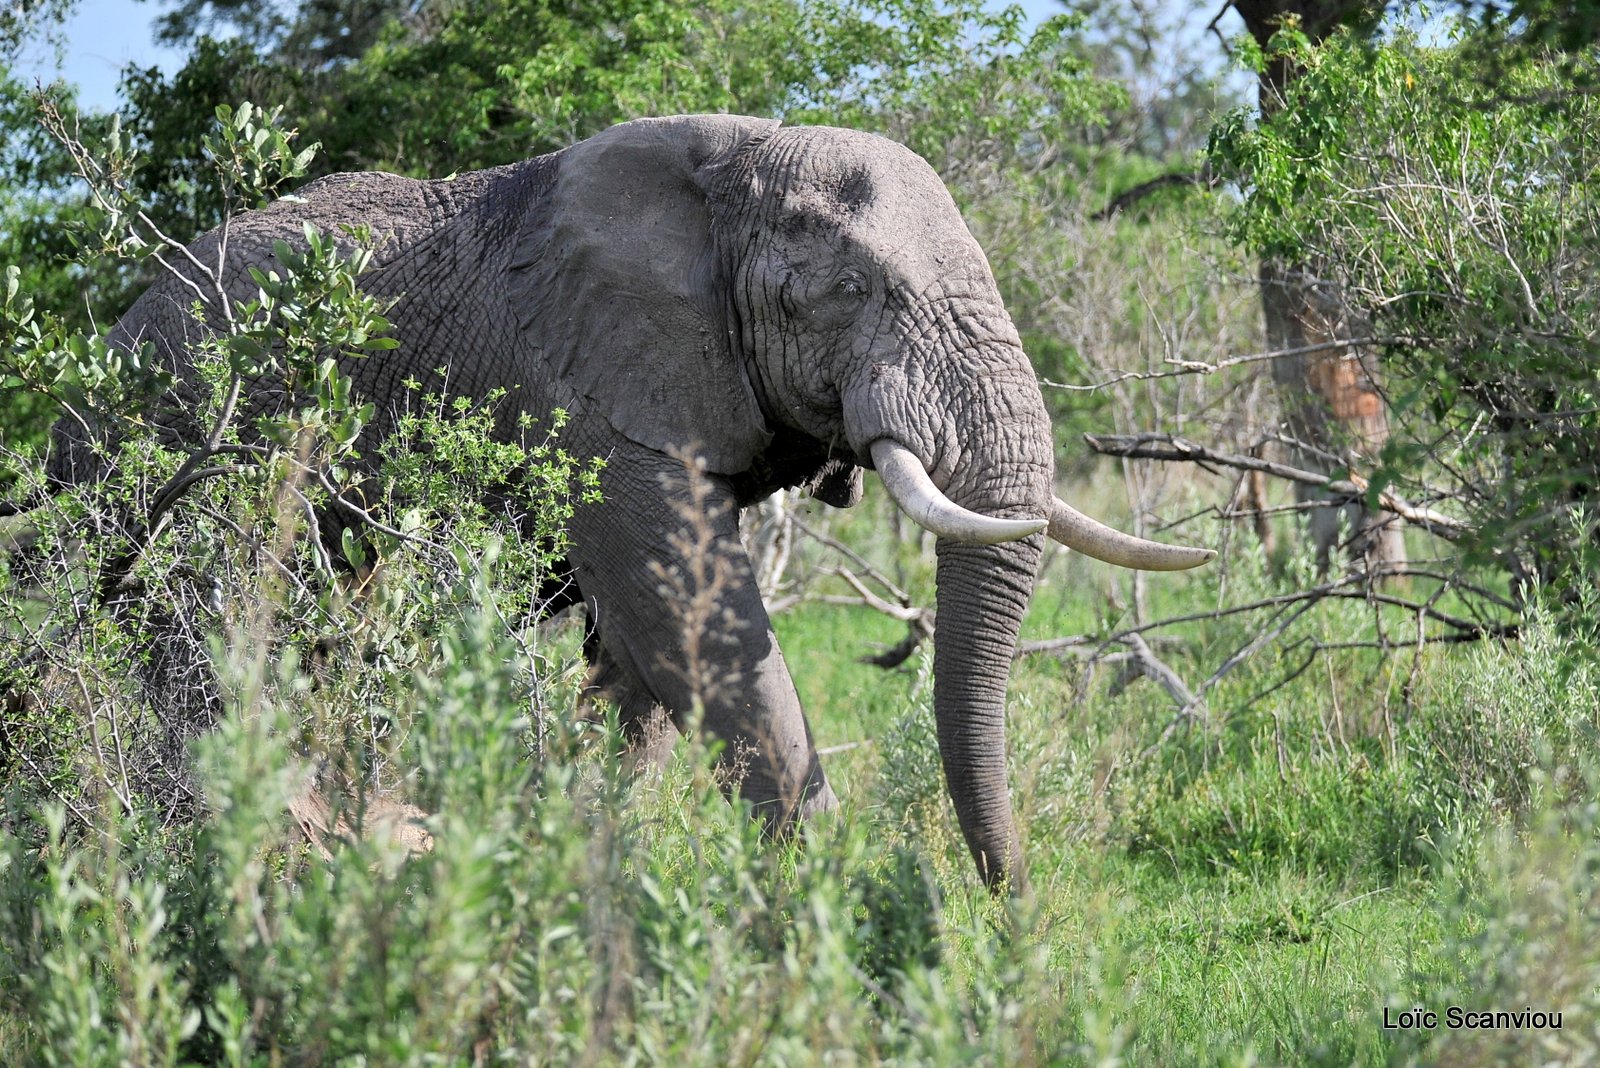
(1461, 211)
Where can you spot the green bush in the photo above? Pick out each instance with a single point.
(268, 809)
(1522, 923)
(1448, 200)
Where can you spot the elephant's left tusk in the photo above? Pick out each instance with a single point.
(908, 483)
(1093, 538)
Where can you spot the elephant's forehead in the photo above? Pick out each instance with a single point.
(855, 171)
(875, 191)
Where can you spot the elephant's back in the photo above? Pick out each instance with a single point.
(397, 212)
(393, 213)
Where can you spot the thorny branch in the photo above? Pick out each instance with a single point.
(1129, 197)
(103, 182)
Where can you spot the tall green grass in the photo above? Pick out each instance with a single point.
(1254, 888)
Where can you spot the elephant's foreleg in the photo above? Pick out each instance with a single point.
(674, 600)
(647, 729)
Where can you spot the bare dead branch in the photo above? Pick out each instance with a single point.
(1298, 670)
(1301, 447)
(1214, 27)
(1157, 671)
(919, 631)
(1129, 197)
(855, 558)
(1071, 643)
(1168, 447)
(1277, 509)
(919, 621)
(905, 612)
(1256, 644)
(181, 482)
(1202, 367)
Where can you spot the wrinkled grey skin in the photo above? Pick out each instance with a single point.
(778, 298)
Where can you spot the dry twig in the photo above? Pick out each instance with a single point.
(1169, 447)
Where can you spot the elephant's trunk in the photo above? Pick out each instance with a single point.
(983, 593)
(982, 441)
(997, 462)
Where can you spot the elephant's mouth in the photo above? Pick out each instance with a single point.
(913, 490)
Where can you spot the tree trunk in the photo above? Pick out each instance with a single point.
(1328, 390)
(1330, 402)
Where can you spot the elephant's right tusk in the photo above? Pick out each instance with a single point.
(1092, 538)
(908, 483)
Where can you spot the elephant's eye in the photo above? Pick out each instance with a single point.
(851, 286)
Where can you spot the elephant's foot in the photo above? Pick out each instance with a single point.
(821, 799)
(651, 739)
(782, 816)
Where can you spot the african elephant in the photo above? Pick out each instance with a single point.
(795, 304)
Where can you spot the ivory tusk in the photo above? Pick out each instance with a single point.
(1092, 538)
(908, 483)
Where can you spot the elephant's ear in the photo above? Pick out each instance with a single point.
(616, 280)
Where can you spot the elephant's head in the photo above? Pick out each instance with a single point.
(819, 284)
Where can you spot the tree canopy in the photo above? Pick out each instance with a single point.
(1043, 120)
